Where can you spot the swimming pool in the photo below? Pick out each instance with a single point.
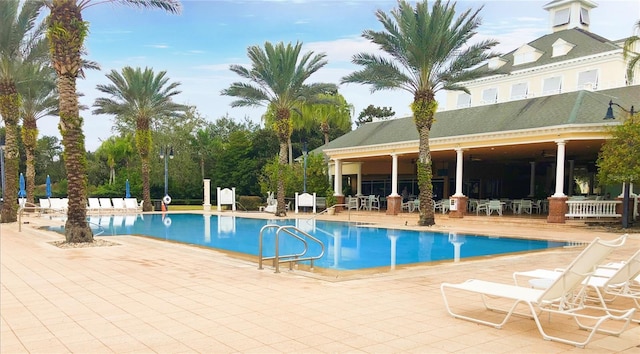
(348, 246)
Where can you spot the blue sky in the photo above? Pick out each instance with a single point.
(197, 46)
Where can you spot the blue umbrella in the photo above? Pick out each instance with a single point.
(22, 193)
(48, 187)
(127, 188)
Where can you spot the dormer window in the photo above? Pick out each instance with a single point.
(464, 100)
(561, 47)
(588, 80)
(519, 91)
(561, 17)
(495, 63)
(490, 96)
(525, 54)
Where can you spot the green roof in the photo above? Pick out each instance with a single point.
(578, 107)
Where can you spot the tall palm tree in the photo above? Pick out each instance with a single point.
(277, 80)
(39, 99)
(429, 51)
(331, 110)
(67, 32)
(21, 44)
(632, 52)
(141, 96)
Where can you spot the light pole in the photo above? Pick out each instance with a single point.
(626, 190)
(166, 153)
(304, 156)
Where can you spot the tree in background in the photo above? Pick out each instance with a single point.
(430, 52)
(277, 79)
(330, 110)
(21, 45)
(373, 112)
(618, 159)
(141, 96)
(631, 52)
(67, 32)
(39, 99)
(116, 151)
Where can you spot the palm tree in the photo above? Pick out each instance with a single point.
(39, 99)
(630, 51)
(277, 80)
(141, 96)
(331, 110)
(428, 51)
(21, 45)
(67, 32)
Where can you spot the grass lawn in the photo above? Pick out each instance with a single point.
(174, 207)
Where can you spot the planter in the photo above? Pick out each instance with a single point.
(331, 210)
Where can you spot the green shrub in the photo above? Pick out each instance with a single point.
(249, 202)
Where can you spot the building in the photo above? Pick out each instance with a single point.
(530, 131)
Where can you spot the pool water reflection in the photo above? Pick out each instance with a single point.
(348, 246)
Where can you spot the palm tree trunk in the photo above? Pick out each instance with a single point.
(66, 32)
(424, 107)
(282, 161)
(30, 140)
(146, 187)
(290, 147)
(9, 109)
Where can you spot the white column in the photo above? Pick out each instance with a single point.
(337, 182)
(532, 179)
(394, 175)
(207, 195)
(359, 187)
(459, 160)
(560, 169)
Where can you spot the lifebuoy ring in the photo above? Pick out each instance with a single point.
(166, 200)
(167, 221)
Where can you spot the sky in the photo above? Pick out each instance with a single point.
(197, 47)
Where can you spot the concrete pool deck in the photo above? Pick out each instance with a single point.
(146, 296)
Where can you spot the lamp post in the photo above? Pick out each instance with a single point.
(626, 188)
(304, 156)
(166, 153)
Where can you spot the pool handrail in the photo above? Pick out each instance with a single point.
(291, 258)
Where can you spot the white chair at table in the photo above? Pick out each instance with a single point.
(494, 205)
(526, 206)
(353, 203)
(374, 202)
(364, 202)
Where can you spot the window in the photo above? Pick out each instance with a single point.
(588, 80)
(561, 47)
(464, 100)
(519, 91)
(561, 18)
(490, 95)
(552, 85)
(584, 16)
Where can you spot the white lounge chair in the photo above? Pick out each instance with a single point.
(45, 205)
(131, 204)
(105, 204)
(621, 279)
(94, 205)
(57, 205)
(556, 299)
(118, 204)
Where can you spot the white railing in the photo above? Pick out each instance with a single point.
(592, 209)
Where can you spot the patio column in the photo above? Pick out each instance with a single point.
(458, 206)
(459, 160)
(532, 179)
(558, 201)
(337, 184)
(394, 201)
(359, 186)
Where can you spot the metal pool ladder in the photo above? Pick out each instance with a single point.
(291, 258)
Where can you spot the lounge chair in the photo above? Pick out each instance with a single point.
(621, 279)
(105, 204)
(57, 205)
(94, 205)
(118, 204)
(45, 205)
(557, 299)
(131, 204)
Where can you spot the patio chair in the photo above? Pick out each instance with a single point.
(526, 206)
(105, 204)
(131, 204)
(374, 202)
(118, 204)
(45, 205)
(558, 298)
(494, 205)
(57, 205)
(353, 203)
(620, 279)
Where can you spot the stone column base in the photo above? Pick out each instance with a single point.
(557, 210)
(206, 207)
(394, 204)
(339, 200)
(461, 203)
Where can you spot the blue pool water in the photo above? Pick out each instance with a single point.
(347, 246)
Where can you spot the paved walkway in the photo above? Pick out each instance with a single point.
(147, 296)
